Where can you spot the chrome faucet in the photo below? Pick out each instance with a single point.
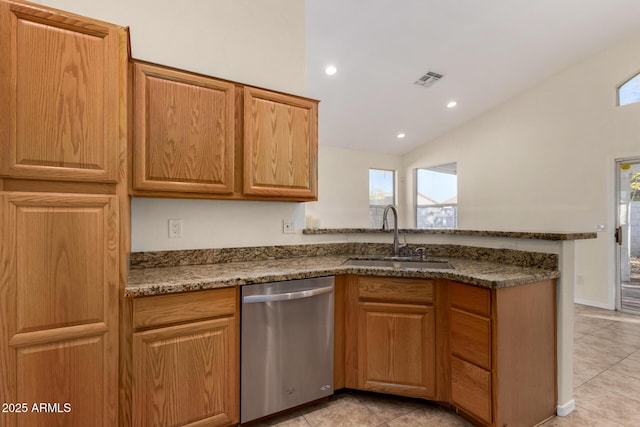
(385, 226)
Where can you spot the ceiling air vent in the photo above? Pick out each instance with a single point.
(428, 79)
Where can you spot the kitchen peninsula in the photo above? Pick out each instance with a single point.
(493, 271)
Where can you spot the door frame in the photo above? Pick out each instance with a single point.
(616, 220)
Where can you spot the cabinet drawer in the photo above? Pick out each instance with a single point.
(471, 298)
(395, 290)
(471, 389)
(186, 307)
(471, 338)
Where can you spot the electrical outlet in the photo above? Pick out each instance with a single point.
(175, 228)
(288, 227)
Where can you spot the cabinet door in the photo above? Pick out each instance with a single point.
(58, 308)
(184, 131)
(396, 349)
(62, 84)
(186, 375)
(280, 145)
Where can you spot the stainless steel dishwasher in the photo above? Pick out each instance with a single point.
(286, 345)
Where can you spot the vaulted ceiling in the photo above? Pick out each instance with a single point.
(487, 50)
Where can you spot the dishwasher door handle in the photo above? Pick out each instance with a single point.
(287, 296)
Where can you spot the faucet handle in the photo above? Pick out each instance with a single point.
(421, 252)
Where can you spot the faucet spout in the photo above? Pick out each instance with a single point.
(385, 226)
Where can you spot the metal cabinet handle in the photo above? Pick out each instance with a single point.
(287, 296)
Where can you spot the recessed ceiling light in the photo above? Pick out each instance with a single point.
(401, 135)
(330, 70)
(452, 104)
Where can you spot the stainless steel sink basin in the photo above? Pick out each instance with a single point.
(394, 263)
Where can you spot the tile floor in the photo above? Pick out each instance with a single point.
(606, 380)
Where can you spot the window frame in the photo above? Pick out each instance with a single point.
(621, 85)
(394, 174)
(417, 206)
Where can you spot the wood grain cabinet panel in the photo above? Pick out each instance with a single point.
(62, 103)
(186, 375)
(471, 388)
(184, 131)
(280, 145)
(58, 305)
(390, 335)
(473, 299)
(503, 353)
(396, 349)
(471, 337)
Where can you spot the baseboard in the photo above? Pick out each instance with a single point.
(593, 303)
(566, 409)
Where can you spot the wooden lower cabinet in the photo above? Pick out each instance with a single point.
(396, 349)
(58, 308)
(503, 353)
(390, 348)
(490, 354)
(186, 374)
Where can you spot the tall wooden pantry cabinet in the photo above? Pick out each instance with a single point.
(62, 205)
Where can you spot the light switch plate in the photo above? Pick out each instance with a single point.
(288, 227)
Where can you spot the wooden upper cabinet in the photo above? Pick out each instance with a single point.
(62, 80)
(183, 131)
(280, 145)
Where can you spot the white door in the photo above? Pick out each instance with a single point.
(628, 234)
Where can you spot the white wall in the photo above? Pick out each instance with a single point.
(545, 161)
(343, 182)
(260, 43)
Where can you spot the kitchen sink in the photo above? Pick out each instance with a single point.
(397, 263)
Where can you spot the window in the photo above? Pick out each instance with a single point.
(382, 192)
(437, 197)
(629, 92)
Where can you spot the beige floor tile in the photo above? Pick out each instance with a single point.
(288, 419)
(616, 335)
(608, 404)
(609, 350)
(628, 326)
(388, 408)
(584, 324)
(429, 418)
(618, 383)
(635, 355)
(581, 417)
(578, 308)
(342, 412)
(583, 371)
(629, 367)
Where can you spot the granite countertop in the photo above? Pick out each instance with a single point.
(531, 235)
(184, 278)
